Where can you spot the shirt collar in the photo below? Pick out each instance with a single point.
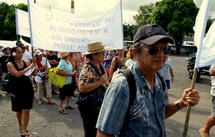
(141, 79)
(138, 76)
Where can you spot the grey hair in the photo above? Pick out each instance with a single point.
(137, 47)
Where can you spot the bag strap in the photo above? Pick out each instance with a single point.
(132, 91)
(96, 69)
(131, 84)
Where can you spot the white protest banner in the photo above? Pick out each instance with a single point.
(62, 31)
(199, 28)
(207, 56)
(22, 23)
(6, 43)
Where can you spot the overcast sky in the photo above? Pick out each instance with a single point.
(91, 7)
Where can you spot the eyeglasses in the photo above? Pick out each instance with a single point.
(154, 50)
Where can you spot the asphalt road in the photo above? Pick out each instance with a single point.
(45, 120)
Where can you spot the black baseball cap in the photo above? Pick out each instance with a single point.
(150, 34)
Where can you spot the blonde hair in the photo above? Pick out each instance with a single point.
(129, 54)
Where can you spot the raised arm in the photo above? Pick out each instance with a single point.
(16, 73)
(112, 66)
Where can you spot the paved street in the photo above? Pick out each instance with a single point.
(47, 122)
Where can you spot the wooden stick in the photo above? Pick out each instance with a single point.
(186, 124)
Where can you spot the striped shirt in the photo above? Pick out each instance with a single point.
(146, 115)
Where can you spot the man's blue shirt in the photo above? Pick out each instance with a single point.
(146, 115)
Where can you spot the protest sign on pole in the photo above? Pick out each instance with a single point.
(72, 6)
(199, 28)
(22, 23)
(62, 31)
(207, 56)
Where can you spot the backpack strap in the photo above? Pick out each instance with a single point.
(131, 84)
(132, 91)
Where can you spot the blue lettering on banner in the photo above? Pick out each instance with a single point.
(76, 40)
(70, 47)
(75, 31)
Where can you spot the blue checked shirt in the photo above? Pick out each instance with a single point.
(146, 115)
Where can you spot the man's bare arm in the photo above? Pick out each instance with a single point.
(102, 134)
(171, 109)
(190, 96)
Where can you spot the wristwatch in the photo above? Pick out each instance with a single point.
(179, 105)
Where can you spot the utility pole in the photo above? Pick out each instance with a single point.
(72, 6)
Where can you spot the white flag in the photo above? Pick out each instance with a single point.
(199, 28)
(22, 23)
(198, 4)
(62, 31)
(207, 56)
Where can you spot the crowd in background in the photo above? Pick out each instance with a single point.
(69, 65)
(88, 73)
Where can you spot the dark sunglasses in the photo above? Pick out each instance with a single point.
(153, 50)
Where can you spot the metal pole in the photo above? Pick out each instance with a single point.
(30, 24)
(122, 23)
(189, 106)
(72, 6)
(17, 36)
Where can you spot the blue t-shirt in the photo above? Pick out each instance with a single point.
(67, 68)
(107, 63)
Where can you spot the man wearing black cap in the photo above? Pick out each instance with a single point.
(143, 116)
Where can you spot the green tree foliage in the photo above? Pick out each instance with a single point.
(175, 16)
(143, 14)
(4, 7)
(22, 6)
(128, 31)
(7, 20)
(9, 24)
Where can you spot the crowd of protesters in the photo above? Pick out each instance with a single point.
(79, 69)
(104, 101)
